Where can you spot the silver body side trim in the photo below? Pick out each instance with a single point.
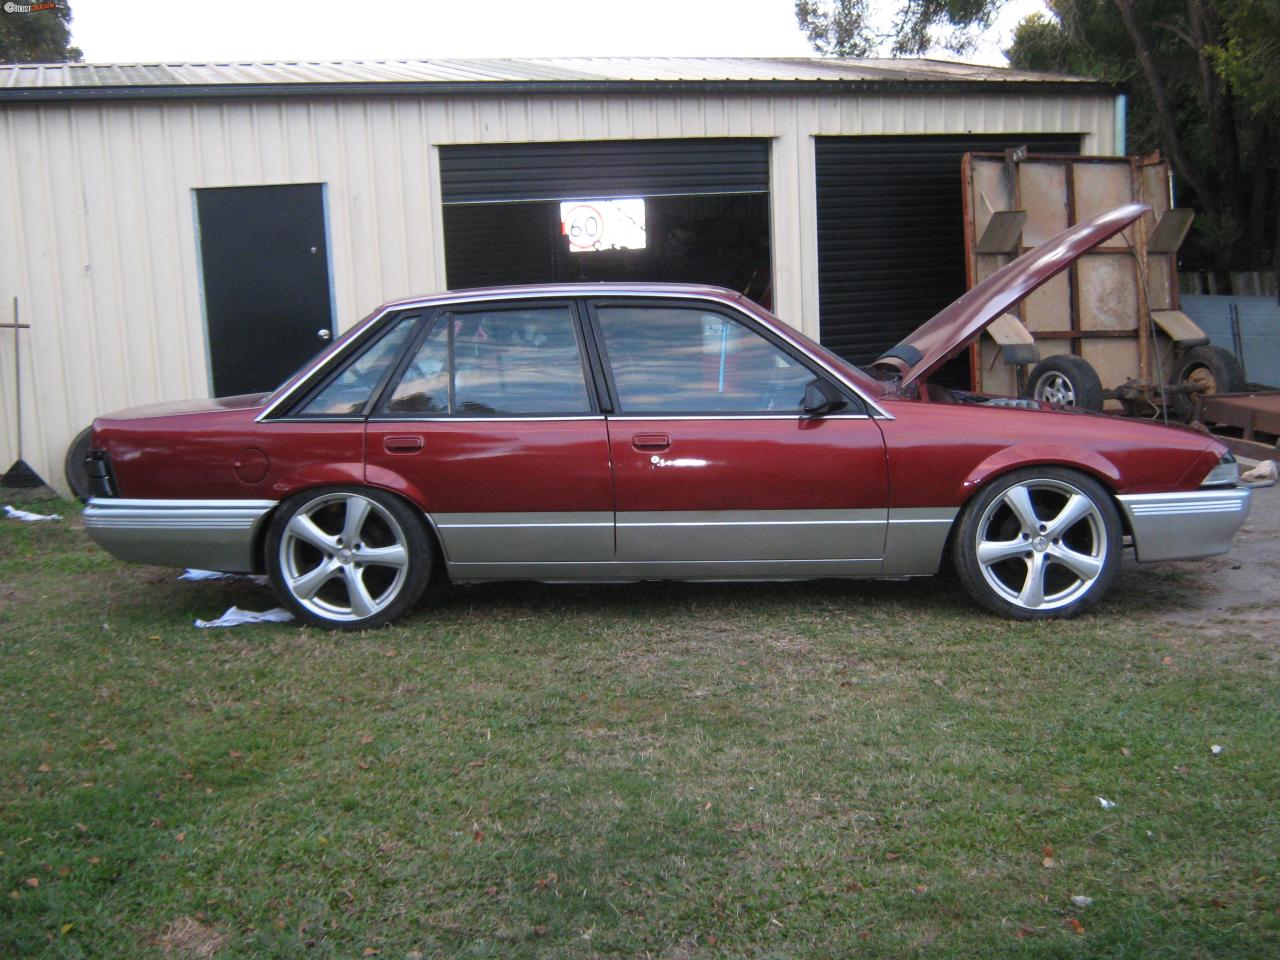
(767, 569)
(207, 534)
(916, 538)
(755, 536)
(518, 538)
(1180, 526)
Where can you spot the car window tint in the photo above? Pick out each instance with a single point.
(424, 386)
(687, 360)
(505, 362)
(348, 392)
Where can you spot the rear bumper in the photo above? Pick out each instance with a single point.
(206, 534)
(1180, 526)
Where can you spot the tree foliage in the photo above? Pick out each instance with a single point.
(851, 28)
(1203, 78)
(37, 36)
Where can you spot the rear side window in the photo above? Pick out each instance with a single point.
(507, 362)
(350, 389)
(689, 360)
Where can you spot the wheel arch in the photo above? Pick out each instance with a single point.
(1087, 462)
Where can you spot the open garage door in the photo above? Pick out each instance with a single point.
(696, 211)
(891, 234)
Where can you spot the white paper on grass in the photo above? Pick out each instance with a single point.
(13, 513)
(235, 616)
(193, 575)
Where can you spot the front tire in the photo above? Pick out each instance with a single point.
(1038, 543)
(348, 558)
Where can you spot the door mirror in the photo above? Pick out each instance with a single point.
(821, 398)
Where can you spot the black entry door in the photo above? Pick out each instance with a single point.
(265, 262)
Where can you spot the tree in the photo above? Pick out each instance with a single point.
(849, 28)
(1201, 74)
(37, 36)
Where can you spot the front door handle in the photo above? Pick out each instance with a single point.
(402, 444)
(651, 441)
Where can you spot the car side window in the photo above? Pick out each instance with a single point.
(679, 359)
(348, 392)
(509, 362)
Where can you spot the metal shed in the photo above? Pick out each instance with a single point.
(145, 206)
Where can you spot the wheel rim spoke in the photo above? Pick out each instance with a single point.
(1081, 564)
(994, 551)
(304, 528)
(357, 511)
(1075, 510)
(1032, 592)
(1019, 501)
(362, 603)
(393, 556)
(304, 587)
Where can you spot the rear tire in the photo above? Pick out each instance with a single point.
(348, 558)
(1067, 381)
(1038, 543)
(1215, 369)
(73, 467)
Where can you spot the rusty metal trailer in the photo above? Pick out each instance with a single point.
(1108, 331)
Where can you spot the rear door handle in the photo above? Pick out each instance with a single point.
(402, 444)
(651, 441)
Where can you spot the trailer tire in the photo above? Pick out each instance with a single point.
(1067, 381)
(1215, 369)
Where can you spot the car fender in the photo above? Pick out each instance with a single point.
(1036, 454)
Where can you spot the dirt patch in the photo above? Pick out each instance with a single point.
(1240, 587)
(188, 937)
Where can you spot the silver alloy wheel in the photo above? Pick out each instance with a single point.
(1053, 387)
(1041, 544)
(343, 557)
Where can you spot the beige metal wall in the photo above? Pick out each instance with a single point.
(97, 226)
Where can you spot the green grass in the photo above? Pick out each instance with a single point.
(767, 771)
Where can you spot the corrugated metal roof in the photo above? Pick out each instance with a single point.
(25, 81)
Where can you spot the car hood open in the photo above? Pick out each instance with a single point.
(952, 329)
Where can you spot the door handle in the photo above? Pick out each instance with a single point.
(402, 444)
(651, 441)
(324, 334)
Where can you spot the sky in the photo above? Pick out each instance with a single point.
(150, 31)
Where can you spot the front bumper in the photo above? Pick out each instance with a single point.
(205, 534)
(1180, 526)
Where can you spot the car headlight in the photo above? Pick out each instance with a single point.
(1225, 474)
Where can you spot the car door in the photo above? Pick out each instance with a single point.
(492, 422)
(717, 471)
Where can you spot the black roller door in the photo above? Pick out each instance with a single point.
(506, 172)
(891, 233)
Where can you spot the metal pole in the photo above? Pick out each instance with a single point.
(17, 373)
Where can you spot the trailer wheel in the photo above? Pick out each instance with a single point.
(1214, 369)
(1066, 381)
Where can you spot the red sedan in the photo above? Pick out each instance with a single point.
(623, 432)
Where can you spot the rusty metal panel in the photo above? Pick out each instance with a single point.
(1108, 291)
(1043, 194)
(1115, 358)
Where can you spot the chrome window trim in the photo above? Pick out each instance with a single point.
(443, 300)
(506, 419)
